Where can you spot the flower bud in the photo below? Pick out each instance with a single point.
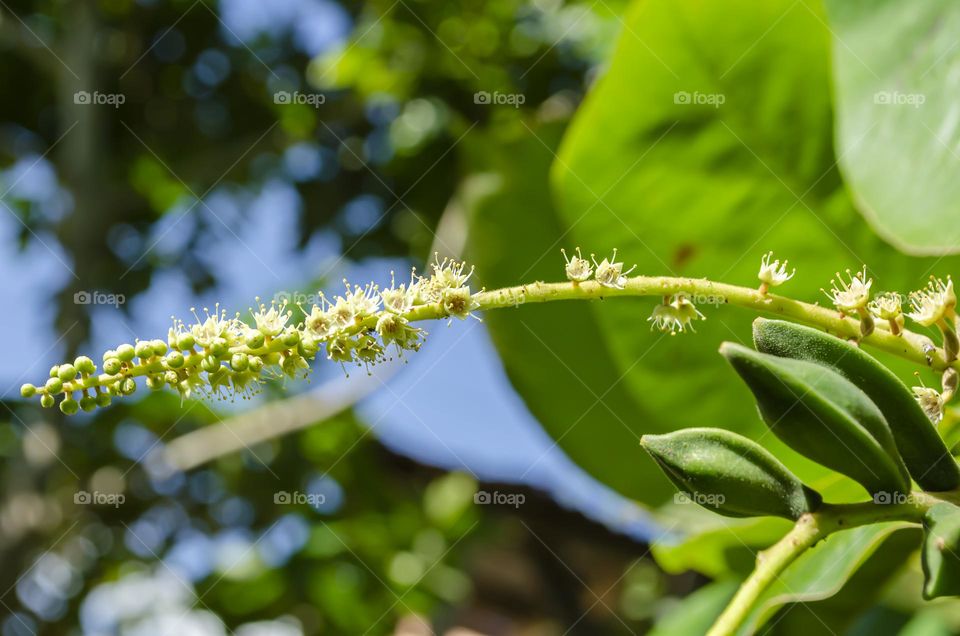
(171, 378)
(69, 406)
(210, 364)
(109, 353)
(174, 360)
(88, 403)
(128, 386)
(46, 401)
(85, 365)
(730, 474)
(28, 390)
(239, 362)
(291, 338)
(155, 382)
(255, 340)
(67, 372)
(255, 364)
(125, 352)
(103, 400)
(54, 385)
(159, 347)
(112, 366)
(185, 342)
(55, 371)
(219, 347)
(144, 350)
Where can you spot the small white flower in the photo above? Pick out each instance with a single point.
(853, 296)
(216, 325)
(399, 300)
(930, 401)
(933, 303)
(773, 273)
(675, 316)
(665, 318)
(365, 300)
(271, 322)
(578, 269)
(609, 273)
(886, 306)
(449, 273)
(343, 312)
(459, 302)
(319, 322)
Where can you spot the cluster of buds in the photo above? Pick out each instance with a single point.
(675, 315)
(608, 272)
(227, 357)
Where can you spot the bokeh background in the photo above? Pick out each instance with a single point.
(159, 156)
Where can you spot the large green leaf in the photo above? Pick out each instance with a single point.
(898, 124)
(698, 190)
(696, 613)
(823, 570)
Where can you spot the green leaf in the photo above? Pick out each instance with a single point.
(823, 570)
(898, 126)
(694, 615)
(941, 541)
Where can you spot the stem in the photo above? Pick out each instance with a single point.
(911, 346)
(808, 530)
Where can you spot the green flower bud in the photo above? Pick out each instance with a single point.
(126, 352)
(159, 347)
(155, 382)
(185, 342)
(219, 347)
(918, 441)
(171, 378)
(308, 348)
(46, 401)
(255, 339)
(109, 353)
(239, 362)
(730, 474)
(28, 390)
(824, 416)
(291, 338)
(112, 366)
(210, 364)
(255, 364)
(174, 360)
(69, 406)
(85, 365)
(128, 386)
(88, 403)
(144, 350)
(67, 372)
(55, 371)
(54, 385)
(103, 400)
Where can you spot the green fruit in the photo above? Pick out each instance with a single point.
(920, 446)
(824, 416)
(730, 474)
(940, 555)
